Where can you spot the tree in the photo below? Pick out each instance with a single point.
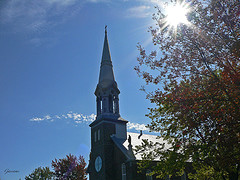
(197, 110)
(40, 173)
(70, 167)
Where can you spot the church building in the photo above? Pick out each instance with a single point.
(112, 155)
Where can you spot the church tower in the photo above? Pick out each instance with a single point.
(108, 122)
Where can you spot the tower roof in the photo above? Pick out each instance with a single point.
(106, 76)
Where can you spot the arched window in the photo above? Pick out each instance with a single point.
(124, 172)
(99, 134)
(114, 105)
(101, 105)
(95, 136)
(104, 102)
(110, 103)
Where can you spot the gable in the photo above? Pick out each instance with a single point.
(137, 139)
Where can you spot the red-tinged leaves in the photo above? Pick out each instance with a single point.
(199, 66)
(70, 167)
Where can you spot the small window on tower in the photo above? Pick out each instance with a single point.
(101, 106)
(95, 136)
(99, 134)
(114, 109)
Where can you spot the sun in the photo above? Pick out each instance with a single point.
(177, 14)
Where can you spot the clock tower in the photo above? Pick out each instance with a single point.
(108, 123)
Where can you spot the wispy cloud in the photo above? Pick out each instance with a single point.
(70, 117)
(61, 2)
(139, 11)
(39, 16)
(144, 8)
(38, 41)
(36, 16)
(78, 118)
(97, 1)
(154, 2)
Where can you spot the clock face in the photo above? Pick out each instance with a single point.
(98, 163)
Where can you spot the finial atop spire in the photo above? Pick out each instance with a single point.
(106, 29)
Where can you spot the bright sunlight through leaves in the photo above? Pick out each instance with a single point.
(177, 14)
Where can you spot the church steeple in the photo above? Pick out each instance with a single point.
(108, 124)
(107, 91)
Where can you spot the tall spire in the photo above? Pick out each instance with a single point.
(107, 91)
(106, 71)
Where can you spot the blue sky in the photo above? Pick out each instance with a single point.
(49, 67)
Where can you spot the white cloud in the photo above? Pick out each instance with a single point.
(139, 11)
(36, 119)
(78, 118)
(137, 126)
(75, 118)
(47, 117)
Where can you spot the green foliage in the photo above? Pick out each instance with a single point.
(197, 110)
(40, 173)
(69, 168)
(204, 172)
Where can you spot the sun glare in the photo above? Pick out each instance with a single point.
(177, 14)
